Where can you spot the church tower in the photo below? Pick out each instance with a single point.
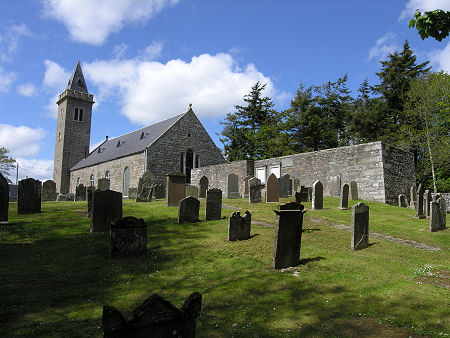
(73, 128)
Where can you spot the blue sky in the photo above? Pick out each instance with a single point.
(146, 60)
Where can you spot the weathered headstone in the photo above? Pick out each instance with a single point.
(106, 207)
(290, 185)
(272, 189)
(246, 186)
(343, 200)
(192, 190)
(402, 201)
(146, 194)
(239, 226)
(426, 201)
(419, 198)
(156, 317)
(89, 191)
(317, 195)
(353, 191)
(70, 196)
(255, 190)
(103, 184)
(132, 193)
(158, 191)
(232, 186)
(283, 187)
(61, 198)
(310, 191)
(188, 210)
(413, 196)
(80, 193)
(288, 238)
(48, 191)
(128, 237)
(438, 210)
(335, 186)
(4, 200)
(213, 209)
(29, 196)
(175, 189)
(360, 226)
(147, 180)
(295, 185)
(203, 186)
(302, 195)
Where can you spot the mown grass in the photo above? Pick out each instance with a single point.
(55, 276)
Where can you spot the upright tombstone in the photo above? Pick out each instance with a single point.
(106, 207)
(360, 226)
(213, 209)
(288, 238)
(232, 186)
(246, 186)
(353, 190)
(155, 317)
(70, 196)
(283, 187)
(295, 185)
(145, 187)
(188, 210)
(175, 189)
(343, 201)
(335, 186)
(48, 191)
(128, 237)
(192, 190)
(310, 191)
(103, 184)
(272, 189)
(132, 193)
(413, 196)
(255, 190)
(402, 201)
(29, 196)
(203, 187)
(80, 193)
(4, 200)
(419, 208)
(89, 191)
(239, 226)
(302, 195)
(438, 210)
(427, 201)
(290, 185)
(158, 191)
(317, 195)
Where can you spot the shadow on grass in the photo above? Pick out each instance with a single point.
(305, 261)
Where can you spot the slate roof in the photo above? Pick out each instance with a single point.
(127, 144)
(76, 81)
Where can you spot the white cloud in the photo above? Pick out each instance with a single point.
(34, 168)
(21, 141)
(119, 50)
(423, 6)
(6, 80)
(27, 89)
(153, 51)
(98, 19)
(55, 76)
(441, 58)
(383, 46)
(9, 41)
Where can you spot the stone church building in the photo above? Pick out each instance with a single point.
(177, 144)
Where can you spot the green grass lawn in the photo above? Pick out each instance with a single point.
(55, 276)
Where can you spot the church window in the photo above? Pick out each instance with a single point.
(126, 181)
(181, 162)
(59, 136)
(78, 115)
(120, 143)
(107, 175)
(78, 181)
(101, 149)
(75, 117)
(92, 180)
(197, 161)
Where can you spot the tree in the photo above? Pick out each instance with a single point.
(6, 163)
(435, 24)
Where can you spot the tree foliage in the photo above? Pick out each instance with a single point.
(435, 24)
(6, 163)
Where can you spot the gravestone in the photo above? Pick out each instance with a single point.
(203, 186)
(232, 186)
(360, 226)
(132, 193)
(103, 184)
(70, 196)
(239, 226)
(290, 185)
(213, 209)
(291, 206)
(426, 201)
(146, 194)
(145, 187)
(310, 190)
(295, 185)
(272, 189)
(353, 190)
(192, 190)
(175, 189)
(158, 191)
(80, 193)
(335, 186)
(402, 201)
(317, 195)
(106, 207)
(29, 196)
(438, 213)
(302, 195)
(288, 238)
(343, 200)
(246, 186)
(128, 237)
(255, 190)
(283, 187)
(188, 210)
(4, 200)
(419, 199)
(413, 196)
(48, 191)
(61, 198)
(89, 191)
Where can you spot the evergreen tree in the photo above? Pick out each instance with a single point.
(6, 163)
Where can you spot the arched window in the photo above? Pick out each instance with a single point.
(59, 136)
(126, 181)
(92, 180)
(78, 181)
(107, 175)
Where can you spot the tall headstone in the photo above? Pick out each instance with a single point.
(255, 190)
(48, 191)
(353, 191)
(335, 186)
(290, 185)
(360, 226)
(188, 210)
(246, 186)
(232, 186)
(128, 237)
(29, 196)
(103, 184)
(295, 185)
(343, 201)
(317, 195)
(89, 191)
(438, 210)
(402, 201)
(203, 186)
(288, 238)
(310, 191)
(419, 198)
(80, 193)
(175, 189)
(106, 207)
(192, 190)
(145, 187)
(272, 189)
(301, 195)
(283, 187)
(239, 226)
(4, 200)
(426, 201)
(213, 209)
(413, 196)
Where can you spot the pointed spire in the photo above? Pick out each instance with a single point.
(76, 81)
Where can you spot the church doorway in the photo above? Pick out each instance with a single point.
(126, 181)
(189, 164)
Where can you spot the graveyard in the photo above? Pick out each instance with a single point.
(56, 275)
